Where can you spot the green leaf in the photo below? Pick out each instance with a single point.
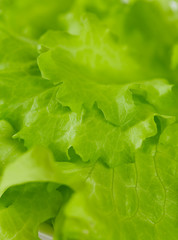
(24, 208)
(118, 202)
(88, 119)
(10, 149)
(30, 19)
(38, 165)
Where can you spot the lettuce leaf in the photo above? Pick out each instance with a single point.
(118, 202)
(88, 119)
(30, 19)
(22, 210)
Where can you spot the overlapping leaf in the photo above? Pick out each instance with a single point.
(88, 139)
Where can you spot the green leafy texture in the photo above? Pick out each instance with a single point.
(29, 205)
(36, 165)
(18, 55)
(143, 37)
(19, 70)
(41, 106)
(31, 19)
(121, 104)
(95, 54)
(42, 99)
(58, 124)
(104, 108)
(167, 151)
(91, 136)
(10, 149)
(133, 21)
(102, 9)
(23, 208)
(133, 196)
(86, 73)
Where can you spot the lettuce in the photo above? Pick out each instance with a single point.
(88, 119)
